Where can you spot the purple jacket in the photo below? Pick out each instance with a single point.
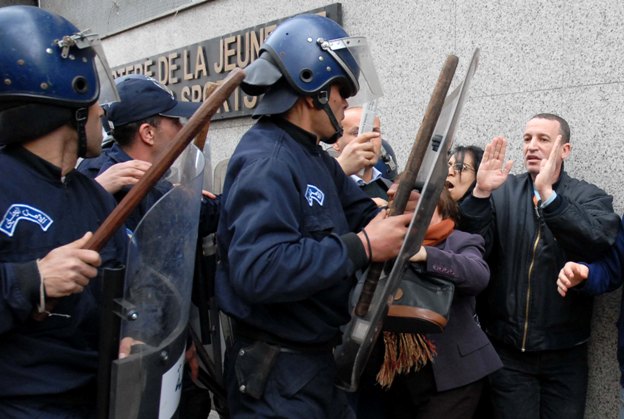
(465, 354)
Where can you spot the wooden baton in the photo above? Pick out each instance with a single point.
(408, 178)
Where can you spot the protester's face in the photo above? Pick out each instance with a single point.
(376, 144)
(93, 130)
(460, 176)
(351, 126)
(539, 139)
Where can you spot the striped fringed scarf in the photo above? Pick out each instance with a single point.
(404, 352)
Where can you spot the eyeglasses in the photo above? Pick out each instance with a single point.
(461, 167)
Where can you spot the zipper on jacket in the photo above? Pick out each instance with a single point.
(531, 266)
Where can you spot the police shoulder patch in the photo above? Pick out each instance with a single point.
(313, 193)
(18, 212)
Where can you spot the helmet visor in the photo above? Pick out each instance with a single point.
(86, 39)
(108, 90)
(354, 57)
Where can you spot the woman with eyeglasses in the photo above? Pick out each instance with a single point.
(462, 171)
(461, 179)
(445, 376)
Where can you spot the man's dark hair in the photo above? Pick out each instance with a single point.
(124, 134)
(564, 128)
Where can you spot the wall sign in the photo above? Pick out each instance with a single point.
(190, 70)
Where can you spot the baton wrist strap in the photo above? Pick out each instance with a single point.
(41, 307)
(368, 245)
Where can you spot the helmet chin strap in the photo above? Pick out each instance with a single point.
(321, 101)
(80, 117)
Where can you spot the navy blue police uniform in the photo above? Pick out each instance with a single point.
(48, 366)
(54, 360)
(141, 98)
(93, 167)
(288, 257)
(287, 233)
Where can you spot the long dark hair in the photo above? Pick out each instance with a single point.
(447, 207)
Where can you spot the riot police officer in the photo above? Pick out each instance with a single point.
(293, 228)
(49, 116)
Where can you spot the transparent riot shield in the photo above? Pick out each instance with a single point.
(157, 298)
(361, 333)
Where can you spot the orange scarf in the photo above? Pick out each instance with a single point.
(437, 233)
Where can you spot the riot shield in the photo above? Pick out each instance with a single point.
(155, 306)
(362, 331)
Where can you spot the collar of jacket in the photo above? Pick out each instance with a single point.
(41, 166)
(300, 135)
(555, 185)
(116, 154)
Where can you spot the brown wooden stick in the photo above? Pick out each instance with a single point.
(408, 178)
(118, 216)
(199, 119)
(200, 139)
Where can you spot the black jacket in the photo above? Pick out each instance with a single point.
(526, 246)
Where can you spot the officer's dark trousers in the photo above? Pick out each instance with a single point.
(300, 385)
(545, 384)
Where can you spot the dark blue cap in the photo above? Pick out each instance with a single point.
(143, 97)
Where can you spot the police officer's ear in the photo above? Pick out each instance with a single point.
(310, 103)
(146, 133)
